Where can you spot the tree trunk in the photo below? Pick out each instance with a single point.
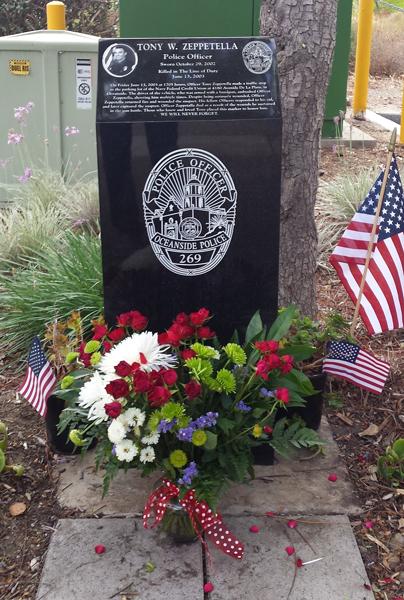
(304, 31)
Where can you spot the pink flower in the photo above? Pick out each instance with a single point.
(27, 175)
(100, 549)
(208, 587)
(369, 524)
(254, 529)
(290, 550)
(71, 131)
(332, 477)
(14, 137)
(292, 524)
(282, 394)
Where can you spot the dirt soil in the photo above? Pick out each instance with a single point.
(24, 538)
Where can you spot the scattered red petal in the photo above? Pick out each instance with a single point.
(299, 563)
(361, 458)
(332, 477)
(208, 587)
(388, 580)
(290, 550)
(270, 514)
(398, 598)
(292, 524)
(368, 587)
(369, 524)
(100, 549)
(254, 529)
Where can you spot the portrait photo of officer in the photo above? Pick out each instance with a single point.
(119, 60)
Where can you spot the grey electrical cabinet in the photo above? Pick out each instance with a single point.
(53, 74)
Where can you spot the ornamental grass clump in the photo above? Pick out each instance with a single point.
(181, 403)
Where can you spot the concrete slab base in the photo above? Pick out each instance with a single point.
(289, 486)
(267, 572)
(352, 137)
(74, 572)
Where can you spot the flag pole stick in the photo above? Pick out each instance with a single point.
(390, 151)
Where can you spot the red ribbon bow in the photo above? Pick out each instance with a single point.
(202, 517)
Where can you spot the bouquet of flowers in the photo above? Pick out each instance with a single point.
(182, 403)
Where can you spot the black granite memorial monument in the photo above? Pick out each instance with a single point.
(189, 157)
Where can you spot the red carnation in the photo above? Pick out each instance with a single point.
(158, 396)
(116, 335)
(286, 363)
(123, 319)
(107, 346)
(182, 319)
(138, 322)
(261, 369)
(169, 377)
(163, 338)
(205, 333)
(198, 318)
(193, 389)
(99, 332)
(118, 388)
(113, 409)
(273, 361)
(187, 353)
(141, 382)
(267, 346)
(267, 429)
(181, 331)
(123, 369)
(282, 394)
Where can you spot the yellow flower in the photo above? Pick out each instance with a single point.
(199, 438)
(178, 459)
(257, 431)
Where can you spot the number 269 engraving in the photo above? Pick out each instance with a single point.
(190, 258)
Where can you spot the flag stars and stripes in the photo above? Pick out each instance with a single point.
(39, 380)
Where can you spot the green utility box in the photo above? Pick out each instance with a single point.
(337, 87)
(189, 18)
(56, 71)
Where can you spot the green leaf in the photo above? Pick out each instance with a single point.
(211, 442)
(258, 412)
(254, 328)
(226, 425)
(282, 323)
(398, 448)
(299, 351)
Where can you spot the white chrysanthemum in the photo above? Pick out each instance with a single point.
(147, 455)
(97, 412)
(126, 450)
(129, 350)
(133, 417)
(151, 439)
(116, 432)
(94, 390)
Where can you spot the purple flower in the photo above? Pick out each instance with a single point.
(266, 393)
(165, 426)
(185, 434)
(243, 407)
(14, 137)
(204, 421)
(21, 112)
(27, 175)
(188, 474)
(113, 451)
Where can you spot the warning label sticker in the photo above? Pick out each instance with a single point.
(19, 66)
(83, 83)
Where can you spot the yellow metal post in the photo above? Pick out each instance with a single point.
(56, 15)
(362, 60)
(402, 121)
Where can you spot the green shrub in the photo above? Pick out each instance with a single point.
(58, 280)
(97, 18)
(390, 465)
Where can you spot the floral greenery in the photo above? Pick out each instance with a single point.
(181, 403)
(390, 466)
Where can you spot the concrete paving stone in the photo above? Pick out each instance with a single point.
(352, 136)
(73, 571)
(275, 487)
(267, 572)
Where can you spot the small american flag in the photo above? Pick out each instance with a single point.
(358, 366)
(39, 379)
(382, 303)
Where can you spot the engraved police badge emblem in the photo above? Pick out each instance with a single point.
(189, 203)
(257, 56)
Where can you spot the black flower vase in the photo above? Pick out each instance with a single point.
(312, 412)
(58, 442)
(263, 454)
